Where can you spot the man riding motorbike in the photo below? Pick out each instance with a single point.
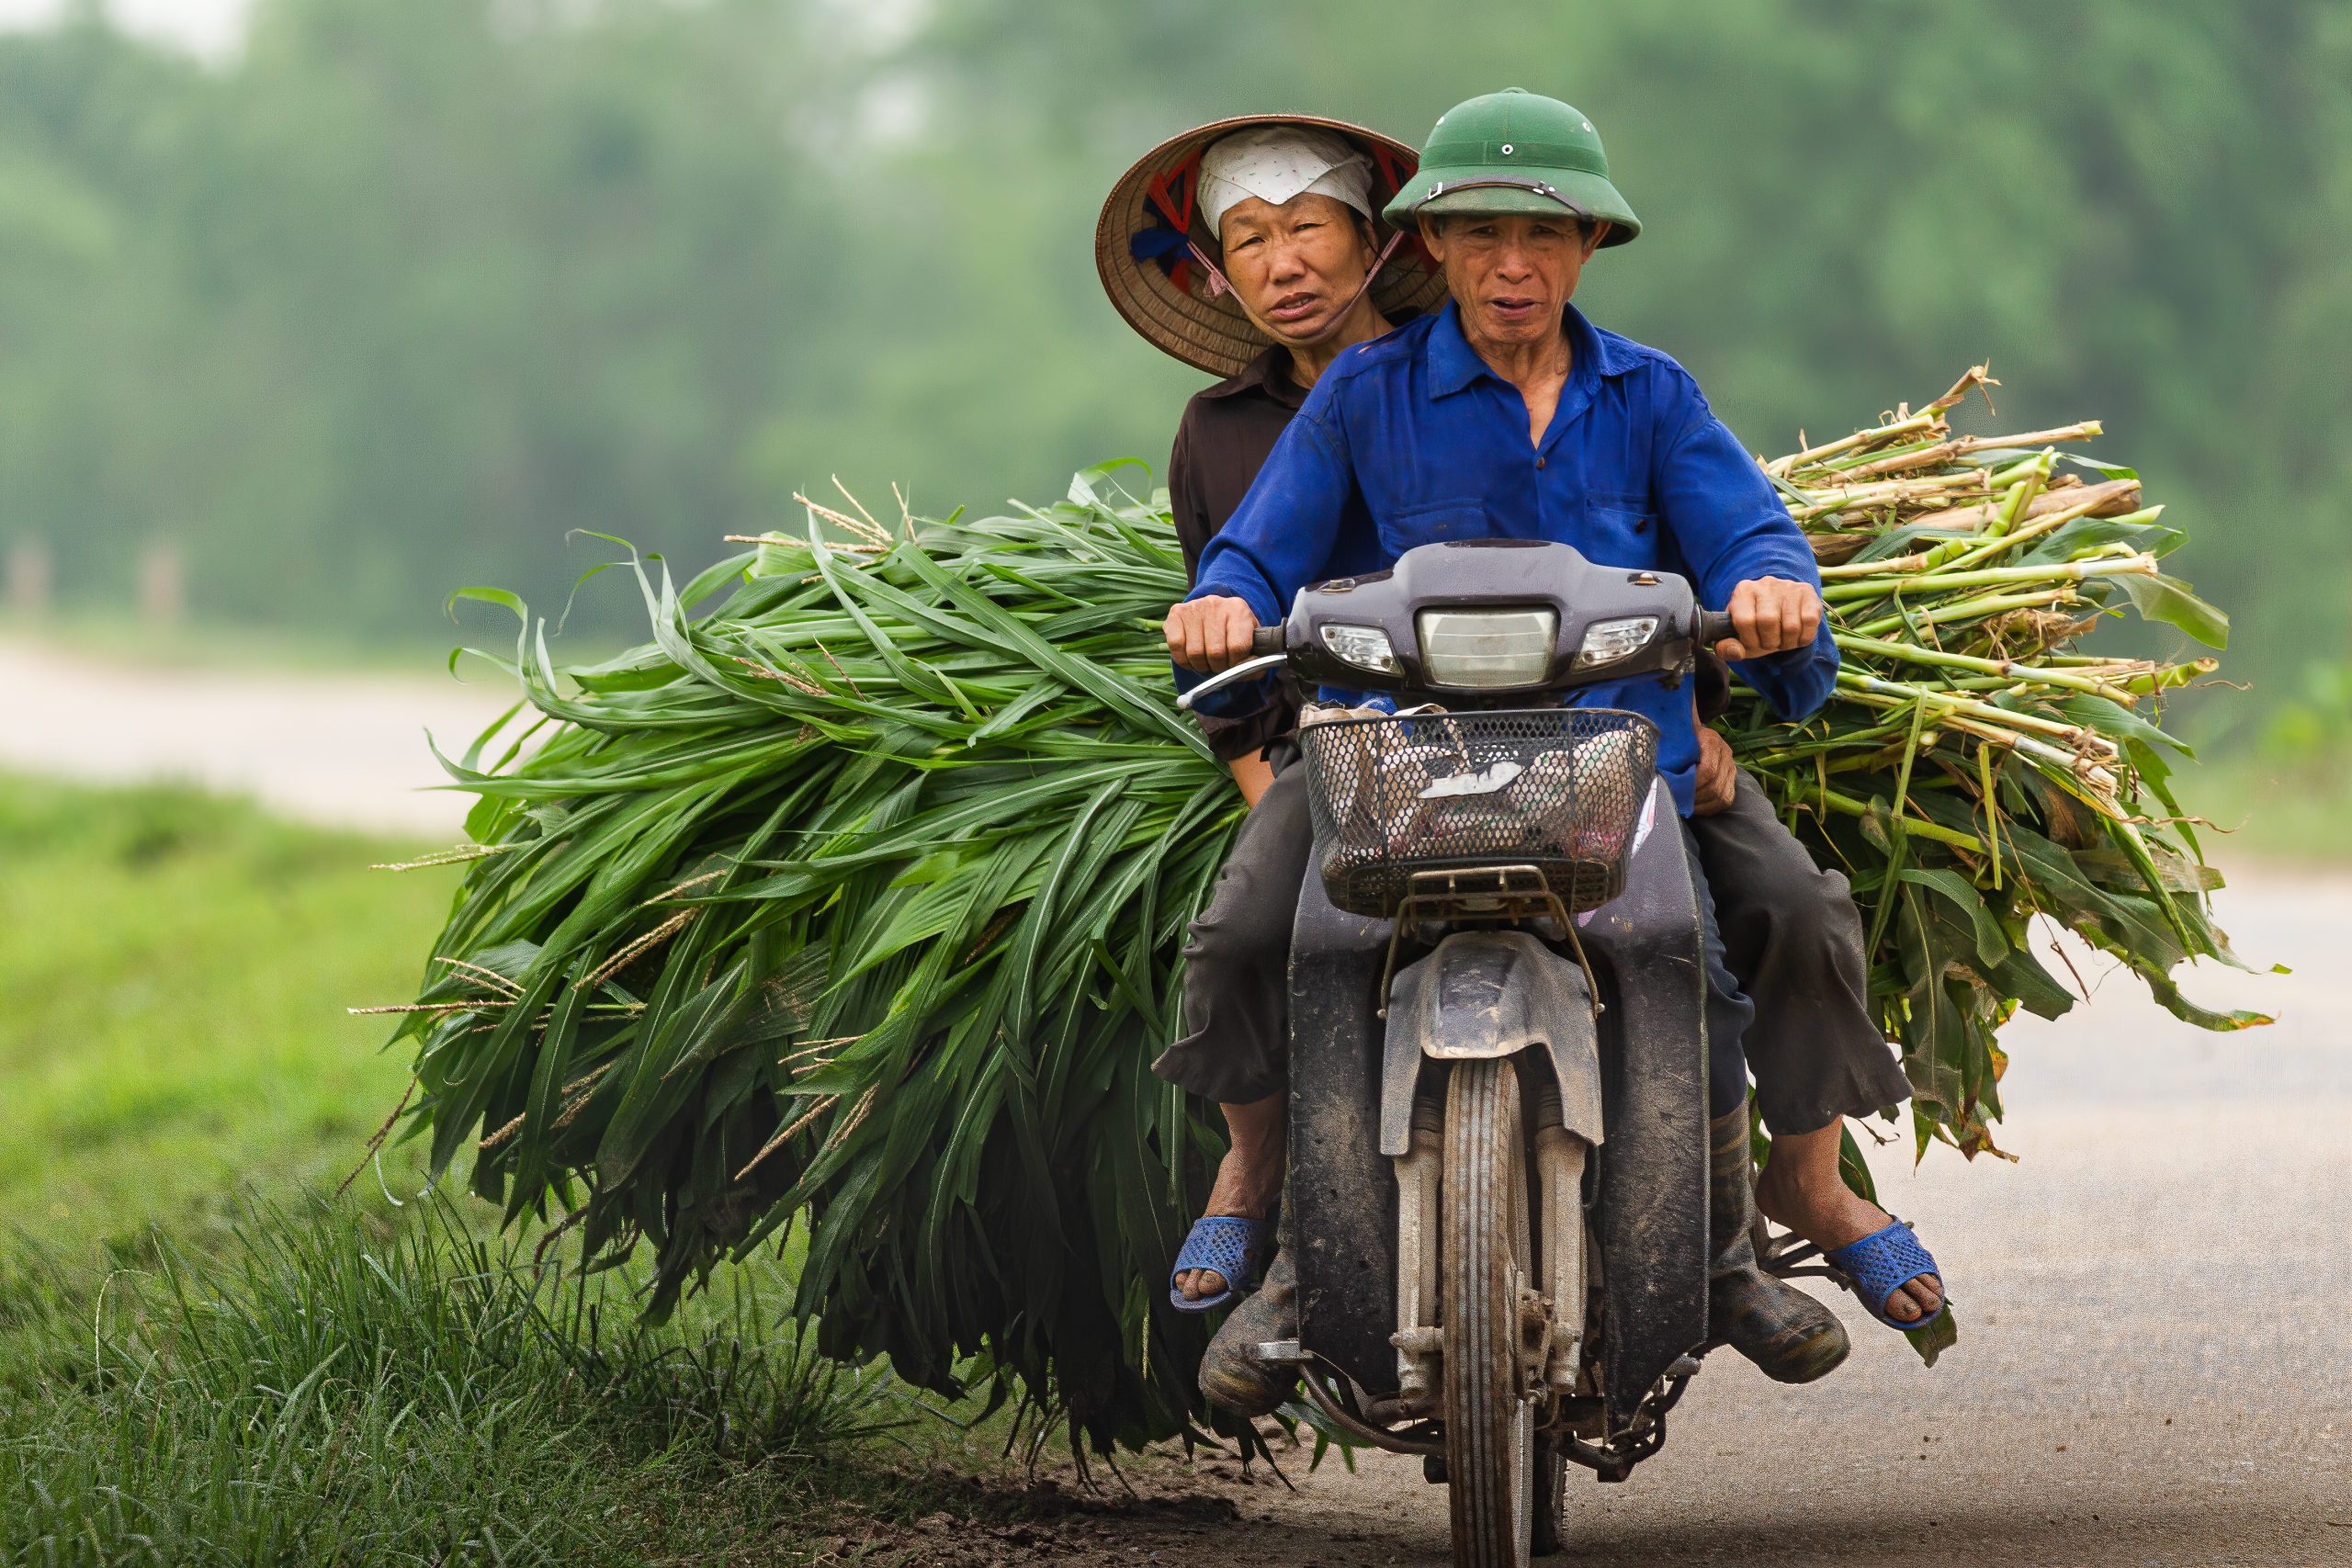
(1418, 438)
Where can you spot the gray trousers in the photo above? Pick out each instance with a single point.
(1784, 931)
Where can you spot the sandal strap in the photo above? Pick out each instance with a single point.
(1883, 1263)
(1236, 1245)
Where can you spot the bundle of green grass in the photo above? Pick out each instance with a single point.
(847, 913)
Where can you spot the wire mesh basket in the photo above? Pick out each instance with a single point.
(1559, 789)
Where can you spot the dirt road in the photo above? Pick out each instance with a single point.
(345, 750)
(2155, 1364)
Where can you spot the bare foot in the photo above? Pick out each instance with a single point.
(1249, 1180)
(1800, 1188)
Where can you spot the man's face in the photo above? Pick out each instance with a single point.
(1511, 277)
(1295, 266)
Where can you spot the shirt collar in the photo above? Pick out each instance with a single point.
(1268, 374)
(1453, 364)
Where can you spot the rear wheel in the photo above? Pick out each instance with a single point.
(1485, 1262)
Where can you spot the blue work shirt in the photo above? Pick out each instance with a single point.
(1410, 439)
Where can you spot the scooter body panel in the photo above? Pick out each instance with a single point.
(1647, 945)
(1339, 1217)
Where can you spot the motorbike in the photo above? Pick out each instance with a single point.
(1497, 1203)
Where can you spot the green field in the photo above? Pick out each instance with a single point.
(204, 1360)
(176, 969)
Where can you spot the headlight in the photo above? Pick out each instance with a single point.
(1366, 648)
(1605, 642)
(1488, 647)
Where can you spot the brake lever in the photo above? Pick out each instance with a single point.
(1225, 678)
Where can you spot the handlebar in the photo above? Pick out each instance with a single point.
(1269, 648)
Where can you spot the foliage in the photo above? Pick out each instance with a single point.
(1971, 770)
(859, 900)
(393, 298)
(336, 1389)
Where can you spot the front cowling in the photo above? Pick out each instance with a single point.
(1490, 622)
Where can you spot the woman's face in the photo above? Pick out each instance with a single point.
(1296, 266)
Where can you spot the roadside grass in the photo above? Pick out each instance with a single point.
(342, 1386)
(203, 1359)
(174, 971)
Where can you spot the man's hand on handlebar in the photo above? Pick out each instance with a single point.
(1212, 633)
(1769, 614)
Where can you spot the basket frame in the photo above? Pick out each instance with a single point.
(1575, 826)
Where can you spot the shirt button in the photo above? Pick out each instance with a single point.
(1538, 462)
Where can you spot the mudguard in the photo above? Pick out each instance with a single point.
(1485, 995)
(1339, 1219)
(1646, 945)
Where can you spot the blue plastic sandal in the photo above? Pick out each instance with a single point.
(1880, 1264)
(1237, 1247)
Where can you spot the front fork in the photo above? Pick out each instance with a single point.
(1560, 1240)
(1419, 1342)
(1552, 1317)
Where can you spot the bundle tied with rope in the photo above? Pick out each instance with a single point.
(849, 909)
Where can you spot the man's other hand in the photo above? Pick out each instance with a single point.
(1718, 776)
(1771, 615)
(1212, 633)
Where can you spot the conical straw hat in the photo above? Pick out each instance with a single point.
(1166, 297)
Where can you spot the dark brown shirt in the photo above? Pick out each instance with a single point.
(1225, 437)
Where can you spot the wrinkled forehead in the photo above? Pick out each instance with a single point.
(1255, 215)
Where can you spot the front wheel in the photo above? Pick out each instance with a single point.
(1485, 1263)
(1551, 1500)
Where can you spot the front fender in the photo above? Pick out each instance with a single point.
(1484, 994)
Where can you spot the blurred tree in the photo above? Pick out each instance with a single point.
(395, 300)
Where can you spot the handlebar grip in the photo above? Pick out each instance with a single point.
(1266, 639)
(1714, 626)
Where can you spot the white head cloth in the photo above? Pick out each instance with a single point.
(1277, 164)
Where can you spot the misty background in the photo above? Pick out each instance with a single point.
(343, 304)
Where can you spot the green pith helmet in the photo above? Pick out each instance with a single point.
(1513, 152)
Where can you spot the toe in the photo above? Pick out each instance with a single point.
(1199, 1284)
(1915, 1301)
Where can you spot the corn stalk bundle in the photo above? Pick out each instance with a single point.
(1974, 769)
(848, 912)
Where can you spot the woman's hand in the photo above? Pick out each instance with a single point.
(1212, 633)
(1717, 779)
